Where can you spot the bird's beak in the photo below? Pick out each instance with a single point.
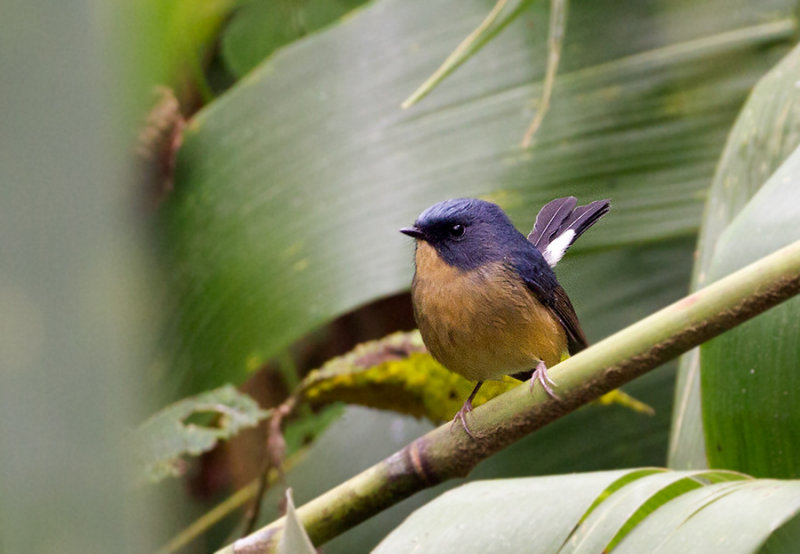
(414, 232)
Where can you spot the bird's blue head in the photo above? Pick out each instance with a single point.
(467, 232)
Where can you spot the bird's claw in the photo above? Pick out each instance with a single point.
(540, 375)
(461, 416)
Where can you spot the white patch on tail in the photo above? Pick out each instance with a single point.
(555, 250)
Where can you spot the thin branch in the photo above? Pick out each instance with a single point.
(456, 57)
(443, 454)
(273, 459)
(558, 24)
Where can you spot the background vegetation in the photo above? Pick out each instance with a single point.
(256, 238)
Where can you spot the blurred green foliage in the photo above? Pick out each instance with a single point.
(260, 27)
(290, 186)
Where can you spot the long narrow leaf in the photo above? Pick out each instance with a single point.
(533, 514)
(718, 512)
(750, 379)
(623, 510)
(766, 132)
(726, 518)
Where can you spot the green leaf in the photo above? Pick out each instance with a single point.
(785, 539)
(294, 540)
(259, 27)
(724, 517)
(622, 511)
(535, 514)
(286, 205)
(180, 35)
(707, 511)
(749, 379)
(767, 130)
(190, 427)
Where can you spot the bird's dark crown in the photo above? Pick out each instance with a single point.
(467, 232)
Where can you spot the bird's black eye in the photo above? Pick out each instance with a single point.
(457, 230)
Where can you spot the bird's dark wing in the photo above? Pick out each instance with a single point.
(562, 307)
(558, 302)
(541, 281)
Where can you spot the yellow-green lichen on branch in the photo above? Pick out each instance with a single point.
(397, 373)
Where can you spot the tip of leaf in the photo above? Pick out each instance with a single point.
(413, 99)
(295, 539)
(626, 401)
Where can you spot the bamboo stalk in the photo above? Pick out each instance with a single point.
(443, 454)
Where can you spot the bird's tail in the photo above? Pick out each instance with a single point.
(560, 223)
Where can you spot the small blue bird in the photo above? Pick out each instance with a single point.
(485, 297)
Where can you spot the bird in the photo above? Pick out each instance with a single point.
(485, 297)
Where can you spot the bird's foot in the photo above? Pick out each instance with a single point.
(540, 375)
(461, 416)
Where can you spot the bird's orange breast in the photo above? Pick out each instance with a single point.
(482, 323)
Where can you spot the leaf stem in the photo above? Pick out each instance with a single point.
(558, 24)
(456, 57)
